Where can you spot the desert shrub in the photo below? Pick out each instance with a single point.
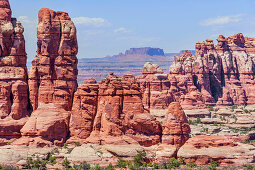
(211, 108)
(65, 145)
(155, 166)
(150, 164)
(174, 163)
(198, 120)
(66, 164)
(139, 159)
(36, 164)
(191, 122)
(192, 165)
(69, 150)
(121, 164)
(164, 165)
(52, 160)
(97, 167)
(109, 167)
(249, 167)
(55, 150)
(214, 164)
(8, 168)
(82, 166)
(77, 144)
(249, 141)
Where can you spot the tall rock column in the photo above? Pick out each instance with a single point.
(52, 80)
(13, 74)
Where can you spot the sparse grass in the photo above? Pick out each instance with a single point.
(77, 144)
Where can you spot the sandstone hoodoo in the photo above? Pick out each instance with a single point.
(175, 126)
(13, 75)
(112, 113)
(220, 74)
(53, 76)
(52, 79)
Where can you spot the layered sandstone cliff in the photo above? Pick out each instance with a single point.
(52, 79)
(220, 74)
(14, 105)
(112, 113)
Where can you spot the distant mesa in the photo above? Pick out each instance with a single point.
(131, 61)
(145, 51)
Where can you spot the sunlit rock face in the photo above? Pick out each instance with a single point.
(53, 76)
(112, 112)
(52, 79)
(220, 74)
(224, 71)
(13, 75)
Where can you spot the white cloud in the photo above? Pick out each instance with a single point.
(222, 20)
(25, 20)
(93, 22)
(122, 30)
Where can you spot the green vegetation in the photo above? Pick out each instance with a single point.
(174, 163)
(192, 165)
(211, 108)
(36, 164)
(213, 165)
(139, 159)
(249, 141)
(197, 121)
(77, 144)
(8, 168)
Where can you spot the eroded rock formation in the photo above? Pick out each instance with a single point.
(13, 75)
(113, 113)
(52, 79)
(53, 76)
(175, 128)
(220, 74)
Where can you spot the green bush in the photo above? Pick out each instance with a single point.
(8, 168)
(174, 163)
(214, 164)
(77, 144)
(155, 165)
(198, 120)
(192, 165)
(36, 164)
(121, 164)
(109, 167)
(52, 160)
(211, 108)
(66, 164)
(82, 166)
(139, 159)
(97, 167)
(249, 167)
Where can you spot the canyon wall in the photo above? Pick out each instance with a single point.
(46, 106)
(221, 74)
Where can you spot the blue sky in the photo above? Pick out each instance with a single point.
(108, 27)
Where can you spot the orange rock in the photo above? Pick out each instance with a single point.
(113, 114)
(48, 123)
(175, 128)
(14, 105)
(53, 76)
